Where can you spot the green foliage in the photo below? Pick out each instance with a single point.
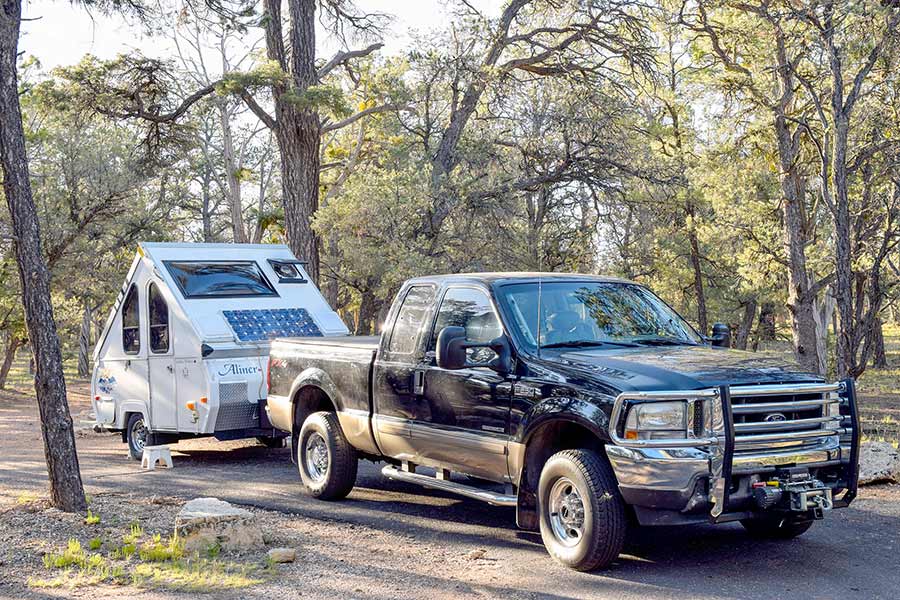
(91, 518)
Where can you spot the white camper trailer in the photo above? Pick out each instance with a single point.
(185, 350)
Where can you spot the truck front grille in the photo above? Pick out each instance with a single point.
(782, 416)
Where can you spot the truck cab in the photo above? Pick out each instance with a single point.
(587, 400)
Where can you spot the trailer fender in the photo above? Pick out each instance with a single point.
(127, 407)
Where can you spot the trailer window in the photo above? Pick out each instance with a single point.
(131, 322)
(159, 321)
(198, 279)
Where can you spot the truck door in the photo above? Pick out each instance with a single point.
(399, 361)
(463, 418)
(163, 400)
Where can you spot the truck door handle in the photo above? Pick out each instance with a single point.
(418, 382)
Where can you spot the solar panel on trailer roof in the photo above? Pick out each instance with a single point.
(266, 324)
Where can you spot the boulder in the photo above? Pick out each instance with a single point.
(282, 555)
(878, 462)
(203, 522)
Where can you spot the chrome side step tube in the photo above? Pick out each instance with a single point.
(392, 472)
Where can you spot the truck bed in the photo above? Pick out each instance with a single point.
(362, 342)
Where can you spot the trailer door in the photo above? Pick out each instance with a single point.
(163, 400)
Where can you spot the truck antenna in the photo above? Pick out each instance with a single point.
(539, 309)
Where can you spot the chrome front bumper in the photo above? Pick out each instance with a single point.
(678, 474)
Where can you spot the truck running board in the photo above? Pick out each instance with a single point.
(392, 472)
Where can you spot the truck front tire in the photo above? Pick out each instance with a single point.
(326, 460)
(776, 528)
(582, 514)
(136, 435)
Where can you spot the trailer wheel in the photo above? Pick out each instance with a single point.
(136, 434)
(582, 514)
(326, 460)
(776, 528)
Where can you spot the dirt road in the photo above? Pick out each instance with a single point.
(391, 540)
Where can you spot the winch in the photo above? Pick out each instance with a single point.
(795, 490)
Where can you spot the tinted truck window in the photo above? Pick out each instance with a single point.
(409, 319)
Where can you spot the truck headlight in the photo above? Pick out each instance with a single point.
(657, 420)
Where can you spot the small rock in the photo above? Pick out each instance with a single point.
(203, 522)
(282, 555)
(878, 462)
(475, 554)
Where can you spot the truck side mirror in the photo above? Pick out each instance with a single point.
(721, 336)
(452, 346)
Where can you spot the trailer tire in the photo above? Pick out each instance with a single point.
(776, 528)
(326, 460)
(581, 512)
(137, 435)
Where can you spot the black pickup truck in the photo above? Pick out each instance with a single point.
(585, 402)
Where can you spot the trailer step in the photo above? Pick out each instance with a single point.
(392, 472)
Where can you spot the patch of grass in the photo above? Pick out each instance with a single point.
(91, 518)
(161, 564)
(156, 550)
(26, 498)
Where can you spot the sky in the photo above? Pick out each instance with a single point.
(62, 33)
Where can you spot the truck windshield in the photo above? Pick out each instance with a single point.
(585, 314)
(198, 279)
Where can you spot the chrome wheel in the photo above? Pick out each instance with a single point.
(316, 457)
(139, 435)
(566, 512)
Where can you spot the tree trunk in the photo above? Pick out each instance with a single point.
(231, 176)
(765, 331)
(66, 490)
(84, 341)
(13, 343)
(746, 326)
(367, 312)
(702, 318)
(297, 129)
(879, 356)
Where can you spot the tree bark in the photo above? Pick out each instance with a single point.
(84, 340)
(746, 326)
(239, 236)
(66, 490)
(297, 130)
(879, 356)
(13, 343)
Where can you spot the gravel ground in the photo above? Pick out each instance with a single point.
(392, 540)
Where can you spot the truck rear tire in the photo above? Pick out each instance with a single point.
(326, 460)
(776, 528)
(582, 514)
(136, 435)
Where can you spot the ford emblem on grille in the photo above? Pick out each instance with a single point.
(775, 417)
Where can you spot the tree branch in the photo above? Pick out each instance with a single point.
(342, 57)
(258, 110)
(363, 113)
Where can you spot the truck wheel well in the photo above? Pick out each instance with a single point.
(307, 400)
(546, 441)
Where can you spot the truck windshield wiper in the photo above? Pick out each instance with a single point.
(587, 344)
(662, 341)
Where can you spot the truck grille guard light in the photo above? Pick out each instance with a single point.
(720, 436)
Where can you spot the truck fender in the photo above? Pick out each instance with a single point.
(586, 414)
(317, 378)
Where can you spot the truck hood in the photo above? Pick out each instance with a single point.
(681, 367)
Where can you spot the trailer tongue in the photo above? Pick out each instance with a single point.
(184, 352)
